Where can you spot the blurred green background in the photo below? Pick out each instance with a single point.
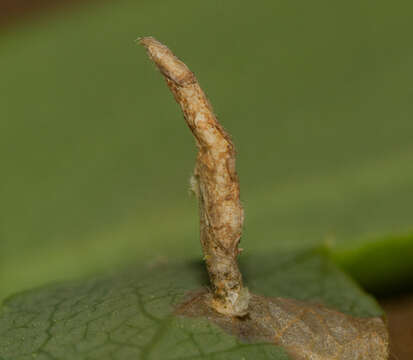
(95, 155)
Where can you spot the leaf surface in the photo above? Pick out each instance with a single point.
(130, 315)
(322, 124)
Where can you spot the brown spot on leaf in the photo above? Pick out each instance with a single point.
(305, 330)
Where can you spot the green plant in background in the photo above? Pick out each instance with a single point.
(321, 112)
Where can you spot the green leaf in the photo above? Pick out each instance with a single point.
(381, 264)
(321, 117)
(129, 315)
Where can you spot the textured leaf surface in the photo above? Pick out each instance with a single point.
(129, 315)
(305, 330)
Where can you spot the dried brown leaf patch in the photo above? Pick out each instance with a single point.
(305, 330)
